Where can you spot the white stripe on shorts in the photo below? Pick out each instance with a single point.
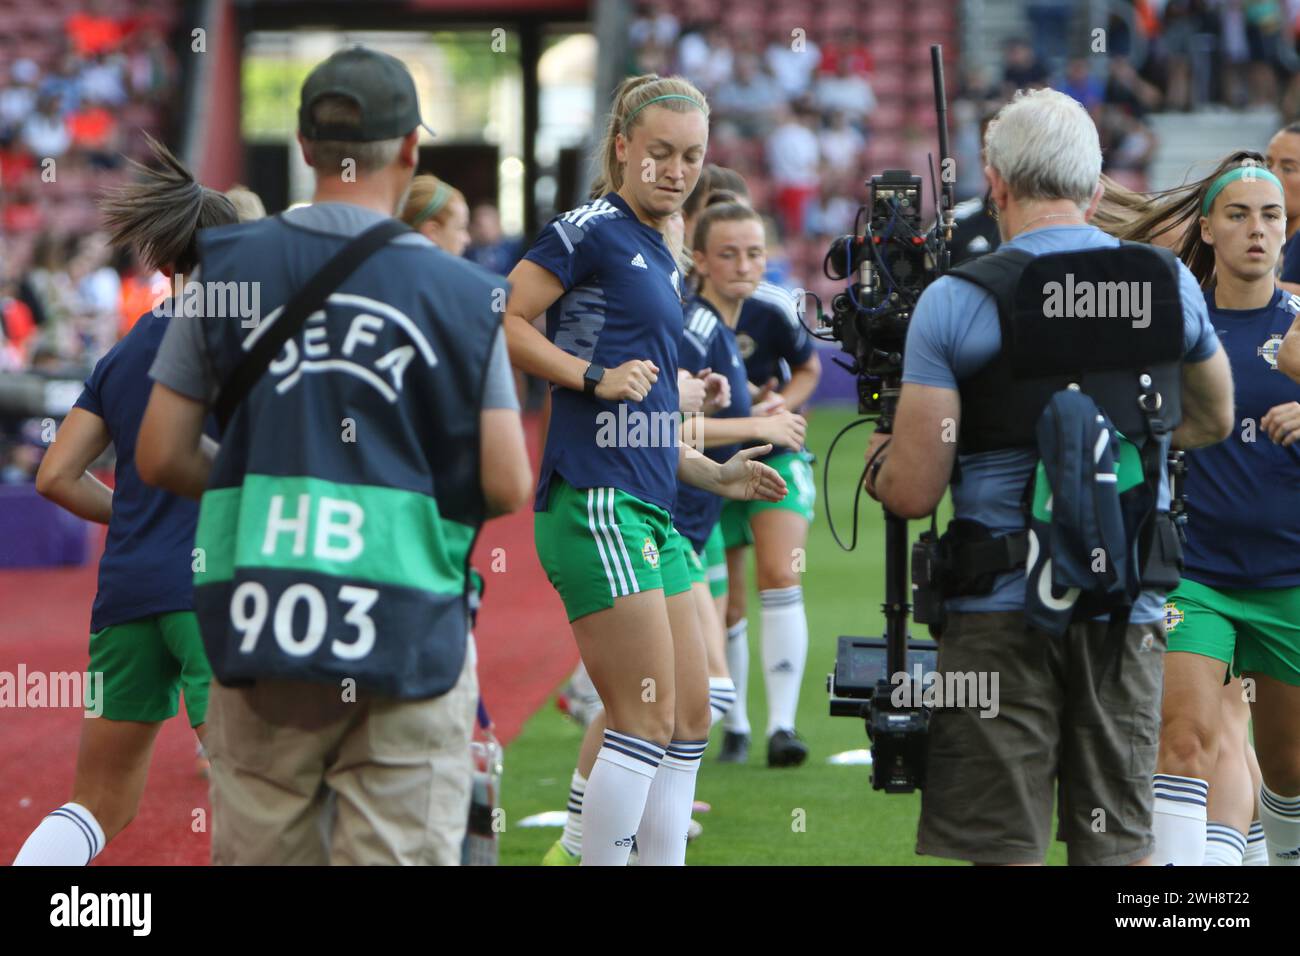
(600, 548)
(622, 546)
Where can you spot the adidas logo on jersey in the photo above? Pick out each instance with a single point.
(639, 262)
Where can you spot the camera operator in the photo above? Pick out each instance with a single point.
(1069, 713)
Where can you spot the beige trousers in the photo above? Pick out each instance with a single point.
(302, 777)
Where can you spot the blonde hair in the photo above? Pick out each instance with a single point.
(630, 100)
(420, 205)
(246, 202)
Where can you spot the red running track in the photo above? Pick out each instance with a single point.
(524, 644)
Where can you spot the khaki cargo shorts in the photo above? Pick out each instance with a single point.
(1069, 718)
(300, 777)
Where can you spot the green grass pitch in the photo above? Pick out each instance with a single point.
(814, 815)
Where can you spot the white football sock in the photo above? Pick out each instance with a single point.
(661, 838)
(68, 836)
(722, 694)
(785, 647)
(615, 798)
(571, 840)
(1224, 845)
(1280, 817)
(580, 682)
(1256, 846)
(737, 719)
(1178, 820)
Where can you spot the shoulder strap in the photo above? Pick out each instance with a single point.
(310, 297)
(996, 273)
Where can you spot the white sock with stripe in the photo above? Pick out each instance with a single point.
(1178, 820)
(1256, 846)
(661, 838)
(737, 719)
(785, 648)
(1280, 817)
(68, 836)
(1224, 845)
(571, 839)
(616, 797)
(722, 694)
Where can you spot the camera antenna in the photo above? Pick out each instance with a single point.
(947, 195)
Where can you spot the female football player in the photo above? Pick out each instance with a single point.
(612, 293)
(783, 370)
(1239, 601)
(438, 212)
(144, 637)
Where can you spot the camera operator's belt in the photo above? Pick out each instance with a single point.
(973, 558)
(970, 557)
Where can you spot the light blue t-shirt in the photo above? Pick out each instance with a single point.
(954, 333)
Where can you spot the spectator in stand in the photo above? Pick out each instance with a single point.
(1181, 23)
(841, 145)
(1022, 70)
(850, 52)
(1263, 39)
(705, 56)
(64, 85)
(793, 154)
(1050, 21)
(751, 98)
(94, 131)
(654, 25)
(1128, 91)
(1082, 84)
(831, 211)
(488, 245)
(846, 91)
(150, 63)
(98, 285)
(45, 134)
(1127, 147)
(18, 99)
(103, 79)
(792, 66)
(95, 30)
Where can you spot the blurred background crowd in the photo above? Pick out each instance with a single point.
(808, 98)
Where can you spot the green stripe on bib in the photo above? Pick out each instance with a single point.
(362, 532)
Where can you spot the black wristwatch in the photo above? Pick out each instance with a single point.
(591, 378)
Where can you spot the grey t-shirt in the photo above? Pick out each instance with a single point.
(182, 362)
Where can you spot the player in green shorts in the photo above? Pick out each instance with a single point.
(144, 646)
(1238, 606)
(782, 370)
(611, 291)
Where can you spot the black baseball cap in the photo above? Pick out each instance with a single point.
(378, 83)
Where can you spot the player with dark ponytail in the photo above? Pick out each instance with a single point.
(144, 638)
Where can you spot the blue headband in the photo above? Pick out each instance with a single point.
(1248, 173)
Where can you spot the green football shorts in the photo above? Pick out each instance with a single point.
(801, 497)
(715, 562)
(598, 544)
(1253, 629)
(147, 662)
(695, 562)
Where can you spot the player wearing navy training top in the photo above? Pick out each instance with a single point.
(144, 637)
(610, 289)
(1283, 160)
(1238, 606)
(780, 364)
